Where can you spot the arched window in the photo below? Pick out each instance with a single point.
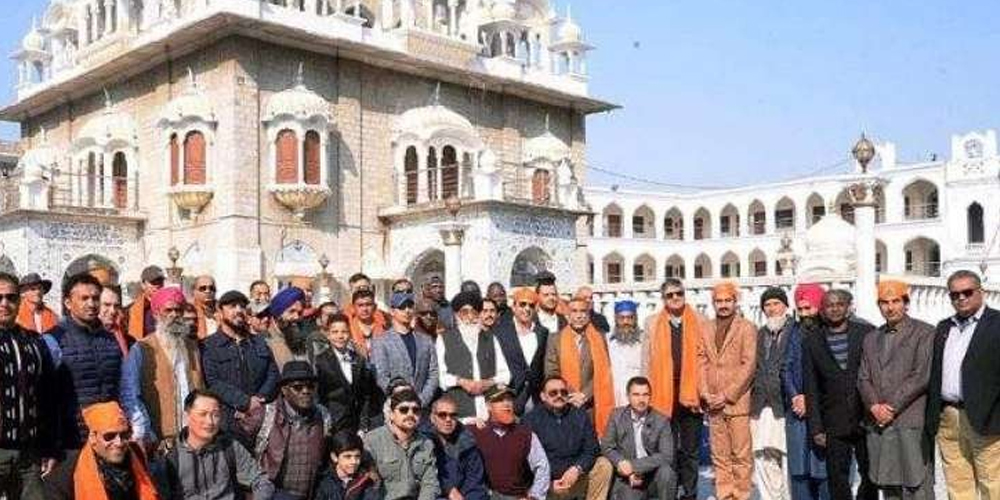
(449, 172)
(119, 172)
(287, 160)
(194, 158)
(312, 157)
(540, 191)
(411, 173)
(974, 223)
(175, 160)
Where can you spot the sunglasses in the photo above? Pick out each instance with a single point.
(557, 392)
(527, 305)
(446, 415)
(671, 295)
(13, 298)
(111, 437)
(206, 288)
(408, 409)
(962, 294)
(302, 386)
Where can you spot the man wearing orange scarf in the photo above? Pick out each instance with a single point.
(33, 315)
(579, 355)
(367, 322)
(140, 317)
(672, 343)
(728, 359)
(109, 467)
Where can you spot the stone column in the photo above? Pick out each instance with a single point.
(864, 192)
(453, 18)
(422, 187)
(452, 235)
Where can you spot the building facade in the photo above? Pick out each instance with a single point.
(281, 138)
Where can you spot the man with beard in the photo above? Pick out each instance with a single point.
(892, 380)
(459, 463)
(204, 302)
(831, 358)
(346, 382)
(110, 466)
(516, 465)
(490, 314)
(579, 355)
(806, 464)
(469, 358)
(403, 458)
(625, 349)
(728, 359)
(367, 322)
(548, 313)
(427, 318)
(671, 361)
(286, 337)
(159, 372)
(260, 293)
(140, 318)
(523, 341)
(34, 315)
(767, 415)
(238, 366)
(290, 434)
(405, 354)
(498, 294)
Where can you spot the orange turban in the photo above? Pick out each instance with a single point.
(525, 294)
(100, 417)
(724, 290)
(891, 289)
(303, 283)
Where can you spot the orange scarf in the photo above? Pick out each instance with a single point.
(26, 318)
(202, 320)
(661, 362)
(87, 483)
(137, 317)
(358, 334)
(569, 368)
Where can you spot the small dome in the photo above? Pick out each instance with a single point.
(298, 102)
(193, 103)
(569, 31)
(503, 10)
(546, 147)
(33, 41)
(829, 248)
(430, 121)
(109, 126)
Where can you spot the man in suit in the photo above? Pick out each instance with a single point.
(346, 382)
(640, 445)
(831, 358)
(549, 313)
(728, 357)
(522, 340)
(403, 353)
(893, 378)
(963, 404)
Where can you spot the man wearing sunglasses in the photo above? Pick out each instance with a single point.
(203, 298)
(404, 353)
(427, 318)
(290, 433)
(140, 318)
(523, 341)
(109, 466)
(403, 458)
(26, 429)
(459, 463)
(963, 408)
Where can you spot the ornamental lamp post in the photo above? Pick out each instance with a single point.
(863, 151)
(173, 272)
(452, 235)
(865, 192)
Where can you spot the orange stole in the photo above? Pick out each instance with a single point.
(569, 368)
(26, 318)
(137, 317)
(202, 324)
(358, 335)
(87, 484)
(661, 362)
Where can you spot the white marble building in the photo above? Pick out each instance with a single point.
(281, 138)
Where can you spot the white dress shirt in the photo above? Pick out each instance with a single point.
(344, 359)
(528, 342)
(955, 347)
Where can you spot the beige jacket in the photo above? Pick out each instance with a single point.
(729, 371)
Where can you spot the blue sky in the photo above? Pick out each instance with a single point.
(720, 93)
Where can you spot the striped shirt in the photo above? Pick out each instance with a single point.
(838, 346)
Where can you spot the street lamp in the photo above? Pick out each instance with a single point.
(863, 151)
(174, 272)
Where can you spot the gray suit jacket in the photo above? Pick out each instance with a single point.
(390, 360)
(897, 371)
(619, 441)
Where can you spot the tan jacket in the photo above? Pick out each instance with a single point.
(729, 371)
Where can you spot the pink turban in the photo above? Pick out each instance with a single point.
(811, 293)
(164, 296)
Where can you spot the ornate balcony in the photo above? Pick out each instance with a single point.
(300, 198)
(192, 197)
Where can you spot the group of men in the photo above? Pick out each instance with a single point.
(488, 396)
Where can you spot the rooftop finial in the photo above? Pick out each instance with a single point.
(436, 98)
(191, 80)
(300, 79)
(107, 99)
(569, 12)
(546, 123)
(44, 133)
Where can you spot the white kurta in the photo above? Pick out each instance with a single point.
(770, 456)
(626, 362)
(448, 380)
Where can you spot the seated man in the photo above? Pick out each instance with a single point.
(403, 458)
(516, 465)
(109, 465)
(460, 466)
(640, 444)
(570, 443)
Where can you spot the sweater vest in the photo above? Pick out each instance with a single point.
(159, 384)
(458, 359)
(506, 459)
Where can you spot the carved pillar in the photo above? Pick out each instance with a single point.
(452, 235)
(864, 193)
(453, 18)
(422, 186)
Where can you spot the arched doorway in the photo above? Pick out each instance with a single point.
(527, 264)
(90, 262)
(426, 265)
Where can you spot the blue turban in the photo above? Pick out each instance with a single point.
(283, 300)
(626, 306)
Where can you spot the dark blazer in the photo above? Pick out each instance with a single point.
(832, 400)
(525, 375)
(980, 376)
(351, 404)
(767, 387)
(619, 441)
(237, 371)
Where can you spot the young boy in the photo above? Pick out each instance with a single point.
(344, 479)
